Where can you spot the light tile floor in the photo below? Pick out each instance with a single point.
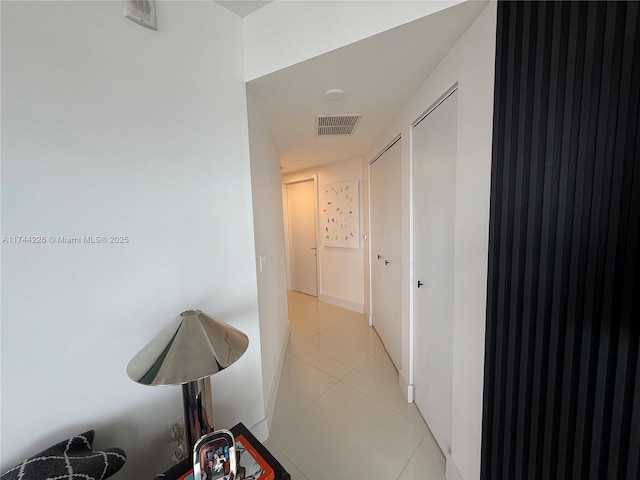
(340, 414)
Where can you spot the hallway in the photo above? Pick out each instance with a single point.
(339, 413)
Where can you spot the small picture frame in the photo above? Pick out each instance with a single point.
(214, 457)
(250, 464)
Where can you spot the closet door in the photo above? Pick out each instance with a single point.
(377, 205)
(434, 150)
(385, 250)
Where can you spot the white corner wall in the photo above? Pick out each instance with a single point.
(108, 129)
(341, 270)
(470, 63)
(284, 33)
(269, 240)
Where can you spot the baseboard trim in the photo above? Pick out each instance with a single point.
(452, 472)
(405, 387)
(342, 302)
(260, 430)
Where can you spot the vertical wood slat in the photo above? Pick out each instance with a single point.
(570, 153)
(562, 361)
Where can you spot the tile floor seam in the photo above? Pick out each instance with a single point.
(415, 450)
(351, 369)
(365, 393)
(311, 336)
(374, 399)
(319, 369)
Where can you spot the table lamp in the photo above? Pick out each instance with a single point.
(187, 352)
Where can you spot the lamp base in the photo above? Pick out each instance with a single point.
(198, 411)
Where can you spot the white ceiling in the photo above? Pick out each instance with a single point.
(378, 74)
(242, 8)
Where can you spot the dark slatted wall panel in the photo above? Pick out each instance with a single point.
(562, 366)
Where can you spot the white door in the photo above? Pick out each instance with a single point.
(434, 150)
(385, 250)
(301, 211)
(378, 243)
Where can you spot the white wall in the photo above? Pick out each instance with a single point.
(287, 32)
(269, 239)
(109, 128)
(341, 270)
(470, 63)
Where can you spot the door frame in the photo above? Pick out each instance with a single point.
(287, 237)
(397, 138)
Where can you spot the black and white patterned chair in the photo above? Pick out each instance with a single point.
(72, 459)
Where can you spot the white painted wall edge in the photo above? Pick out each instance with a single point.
(262, 428)
(273, 388)
(452, 472)
(342, 302)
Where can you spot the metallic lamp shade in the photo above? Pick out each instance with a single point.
(192, 347)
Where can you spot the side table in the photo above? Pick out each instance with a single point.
(180, 470)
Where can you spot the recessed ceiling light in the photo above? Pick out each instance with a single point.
(334, 94)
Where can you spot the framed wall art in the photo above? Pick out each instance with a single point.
(340, 214)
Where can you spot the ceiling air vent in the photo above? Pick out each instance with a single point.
(142, 12)
(336, 124)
